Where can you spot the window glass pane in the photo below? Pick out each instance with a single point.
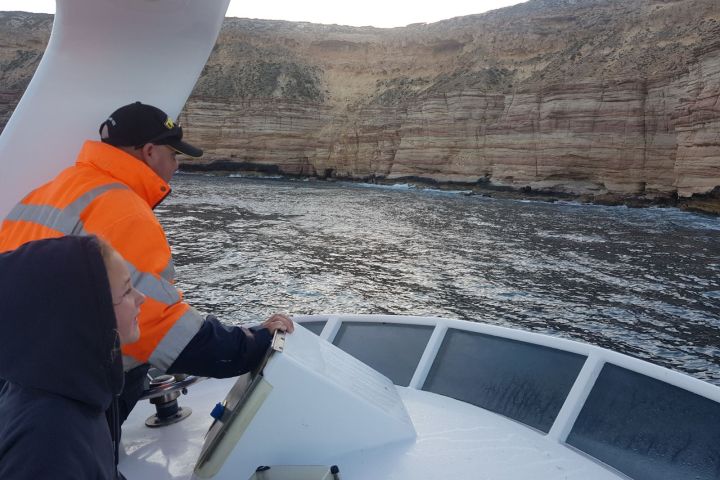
(315, 327)
(392, 349)
(648, 429)
(525, 382)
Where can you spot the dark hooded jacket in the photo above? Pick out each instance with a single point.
(60, 361)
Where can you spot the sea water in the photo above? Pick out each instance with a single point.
(645, 282)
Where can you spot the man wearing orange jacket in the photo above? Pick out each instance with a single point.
(111, 192)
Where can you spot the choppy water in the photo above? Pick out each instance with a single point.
(645, 282)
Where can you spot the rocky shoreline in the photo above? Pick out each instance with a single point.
(708, 204)
(614, 102)
(605, 101)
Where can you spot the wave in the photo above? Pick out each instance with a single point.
(409, 186)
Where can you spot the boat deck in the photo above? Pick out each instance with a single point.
(459, 440)
(454, 440)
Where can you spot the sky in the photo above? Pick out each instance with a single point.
(378, 13)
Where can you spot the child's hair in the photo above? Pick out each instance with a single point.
(106, 252)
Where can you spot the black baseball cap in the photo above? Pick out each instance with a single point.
(136, 124)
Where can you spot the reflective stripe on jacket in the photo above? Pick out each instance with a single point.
(111, 194)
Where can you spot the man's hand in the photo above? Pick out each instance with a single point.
(278, 322)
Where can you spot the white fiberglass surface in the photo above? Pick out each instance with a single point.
(170, 452)
(455, 440)
(317, 403)
(459, 441)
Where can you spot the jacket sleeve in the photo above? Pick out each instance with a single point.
(222, 351)
(167, 322)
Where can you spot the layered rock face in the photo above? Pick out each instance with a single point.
(23, 37)
(581, 96)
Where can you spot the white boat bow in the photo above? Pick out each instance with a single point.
(526, 406)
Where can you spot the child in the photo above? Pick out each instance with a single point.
(66, 304)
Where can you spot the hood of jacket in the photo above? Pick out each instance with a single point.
(58, 332)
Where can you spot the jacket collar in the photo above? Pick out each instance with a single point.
(126, 169)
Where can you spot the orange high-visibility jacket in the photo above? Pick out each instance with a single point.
(111, 194)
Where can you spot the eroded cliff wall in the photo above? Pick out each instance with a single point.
(579, 96)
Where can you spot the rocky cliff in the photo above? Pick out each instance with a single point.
(594, 97)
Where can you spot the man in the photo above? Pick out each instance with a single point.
(110, 192)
